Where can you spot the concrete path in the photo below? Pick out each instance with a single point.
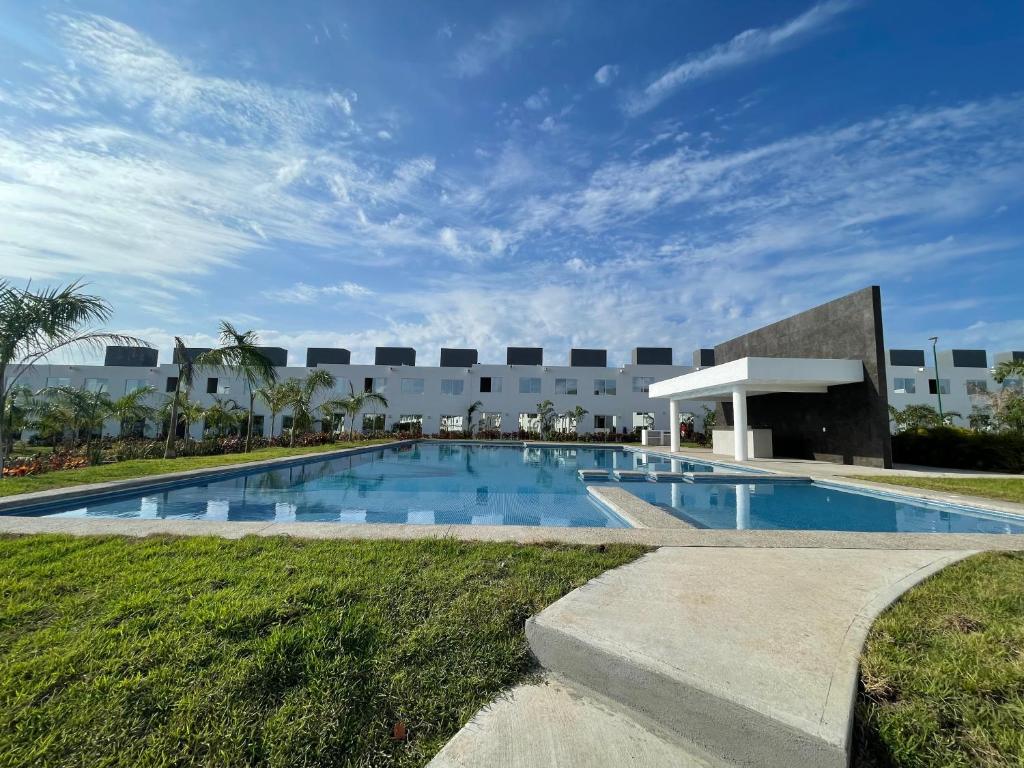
(751, 654)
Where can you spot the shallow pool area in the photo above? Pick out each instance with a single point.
(457, 483)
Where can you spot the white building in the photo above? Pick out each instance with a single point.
(436, 397)
(964, 379)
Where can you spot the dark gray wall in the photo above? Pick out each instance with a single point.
(588, 358)
(703, 358)
(327, 356)
(849, 423)
(141, 357)
(458, 358)
(278, 356)
(652, 356)
(912, 357)
(524, 356)
(190, 353)
(1017, 356)
(394, 356)
(970, 358)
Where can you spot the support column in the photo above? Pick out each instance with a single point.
(673, 424)
(739, 423)
(742, 507)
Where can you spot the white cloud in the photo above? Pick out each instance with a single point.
(302, 293)
(384, 135)
(538, 100)
(506, 35)
(606, 73)
(746, 47)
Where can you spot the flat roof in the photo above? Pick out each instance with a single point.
(760, 376)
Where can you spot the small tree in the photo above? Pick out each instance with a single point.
(467, 428)
(17, 414)
(224, 415)
(1009, 369)
(546, 417)
(133, 408)
(301, 393)
(573, 417)
(354, 403)
(85, 411)
(276, 397)
(920, 417)
(36, 324)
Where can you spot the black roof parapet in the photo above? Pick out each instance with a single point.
(394, 356)
(703, 358)
(913, 358)
(458, 358)
(524, 356)
(588, 358)
(652, 356)
(191, 353)
(970, 358)
(278, 356)
(139, 357)
(327, 356)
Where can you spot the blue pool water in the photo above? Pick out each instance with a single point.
(472, 484)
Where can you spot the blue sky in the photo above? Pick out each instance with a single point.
(557, 174)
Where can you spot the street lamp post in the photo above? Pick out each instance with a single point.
(938, 384)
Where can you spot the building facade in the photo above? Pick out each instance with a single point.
(436, 398)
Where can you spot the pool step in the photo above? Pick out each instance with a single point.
(629, 475)
(592, 474)
(658, 476)
(740, 477)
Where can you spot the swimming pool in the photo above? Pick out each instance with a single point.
(450, 483)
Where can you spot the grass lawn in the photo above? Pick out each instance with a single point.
(141, 467)
(262, 651)
(1004, 488)
(942, 674)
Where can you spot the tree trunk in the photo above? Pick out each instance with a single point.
(3, 421)
(248, 431)
(172, 428)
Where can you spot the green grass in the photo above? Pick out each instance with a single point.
(1003, 488)
(262, 651)
(942, 674)
(123, 470)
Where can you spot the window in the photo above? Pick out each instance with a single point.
(373, 422)
(642, 420)
(377, 384)
(134, 385)
(904, 386)
(642, 383)
(604, 421)
(97, 385)
(452, 386)
(172, 384)
(529, 422)
(943, 387)
(211, 386)
(529, 385)
(412, 386)
(604, 386)
(286, 422)
(976, 386)
(257, 424)
(490, 383)
(451, 423)
(409, 420)
(566, 386)
(58, 381)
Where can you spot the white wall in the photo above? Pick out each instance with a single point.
(431, 404)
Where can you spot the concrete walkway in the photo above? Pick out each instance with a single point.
(749, 656)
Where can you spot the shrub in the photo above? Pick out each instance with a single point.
(960, 449)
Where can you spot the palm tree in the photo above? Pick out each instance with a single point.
(354, 403)
(133, 408)
(36, 324)
(467, 429)
(1008, 369)
(237, 350)
(84, 410)
(546, 415)
(253, 366)
(223, 415)
(302, 393)
(187, 411)
(574, 416)
(276, 397)
(17, 413)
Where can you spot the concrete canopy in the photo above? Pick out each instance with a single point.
(759, 376)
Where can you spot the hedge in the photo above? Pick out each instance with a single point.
(960, 449)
